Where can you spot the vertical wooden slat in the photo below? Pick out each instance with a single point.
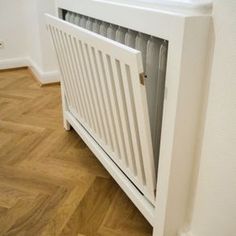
(106, 101)
(123, 112)
(111, 103)
(65, 54)
(74, 76)
(61, 65)
(70, 72)
(129, 95)
(112, 92)
(88, 87)
(78, 80)
(97, 86)
(86, 90)
(102, 98)
(142, 121)
(92, 75)
(67, 83)
(82, 84)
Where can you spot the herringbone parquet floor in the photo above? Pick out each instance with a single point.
(50, 182)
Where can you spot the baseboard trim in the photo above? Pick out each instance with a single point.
(185, 233)
(14, 63)
(42, 77)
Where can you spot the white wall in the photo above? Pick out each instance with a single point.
(44, 45)
(214, 211)
(26, 40)
(14, 16)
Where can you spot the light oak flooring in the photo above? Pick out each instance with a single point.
(50, 182)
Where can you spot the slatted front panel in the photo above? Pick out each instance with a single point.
(101, 83)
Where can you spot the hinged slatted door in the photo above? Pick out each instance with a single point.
(103, 83)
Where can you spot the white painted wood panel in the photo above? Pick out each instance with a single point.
(96, 69)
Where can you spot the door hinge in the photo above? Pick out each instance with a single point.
(142, 77)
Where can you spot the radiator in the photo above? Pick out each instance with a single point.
(132, 92)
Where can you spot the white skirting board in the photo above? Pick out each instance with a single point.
(43, 77)
(185, 233)
(14, 63)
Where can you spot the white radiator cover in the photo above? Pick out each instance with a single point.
(99, 78)
(186, 32)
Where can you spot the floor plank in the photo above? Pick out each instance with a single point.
(50, 182)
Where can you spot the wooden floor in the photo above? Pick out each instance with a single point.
(50, 182)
